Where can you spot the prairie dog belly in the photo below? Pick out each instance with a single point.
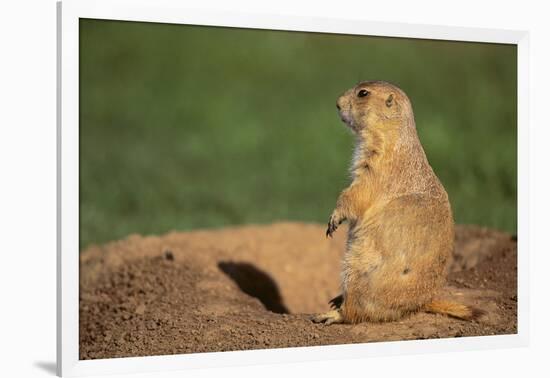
(396, 258)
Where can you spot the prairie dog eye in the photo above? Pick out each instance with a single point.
(362, 93)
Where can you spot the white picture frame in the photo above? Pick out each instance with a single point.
(171, 11)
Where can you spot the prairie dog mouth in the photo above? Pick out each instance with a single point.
(346, 118)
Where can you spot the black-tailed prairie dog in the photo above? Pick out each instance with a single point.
(401, 229)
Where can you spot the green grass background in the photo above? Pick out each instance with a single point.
(185, 127)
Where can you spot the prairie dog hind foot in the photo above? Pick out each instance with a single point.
(328, 318)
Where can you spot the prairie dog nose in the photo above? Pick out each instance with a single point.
(341, 102)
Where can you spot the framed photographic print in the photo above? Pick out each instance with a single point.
(240, 188)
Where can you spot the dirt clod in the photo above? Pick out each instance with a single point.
(168, 255)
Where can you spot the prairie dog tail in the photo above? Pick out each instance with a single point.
(454, 309)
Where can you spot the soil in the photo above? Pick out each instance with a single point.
(255, 287)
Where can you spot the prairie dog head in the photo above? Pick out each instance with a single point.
(371, 104)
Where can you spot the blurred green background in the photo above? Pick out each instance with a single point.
(185, 127)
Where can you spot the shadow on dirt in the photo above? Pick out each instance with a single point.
(255, 283)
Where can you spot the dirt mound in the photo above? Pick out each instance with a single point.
(253, 287)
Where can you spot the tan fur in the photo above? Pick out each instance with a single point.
(401, 229)
(456, 310)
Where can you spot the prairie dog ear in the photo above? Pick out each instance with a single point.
(389, 100)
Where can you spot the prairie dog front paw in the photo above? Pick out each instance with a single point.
(334, 221)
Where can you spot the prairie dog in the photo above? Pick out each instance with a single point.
(401, 229)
